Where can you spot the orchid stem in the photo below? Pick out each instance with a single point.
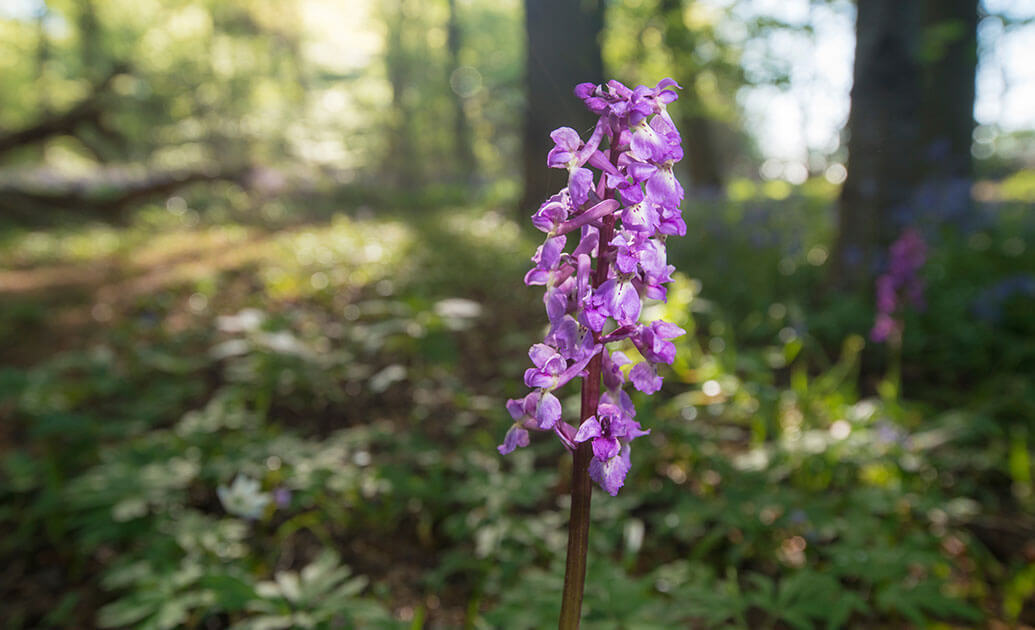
(581, 489)
(578, 539)
(581, 494)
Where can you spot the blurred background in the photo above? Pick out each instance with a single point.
(261, 306)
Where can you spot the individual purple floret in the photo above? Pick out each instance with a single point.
(900, 285)
(623, 200)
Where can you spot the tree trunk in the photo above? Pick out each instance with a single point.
(463, 151)
(90, 40)
(950, 68)
(563, 51)
(696, 127)
(401, 164)
(884, 139)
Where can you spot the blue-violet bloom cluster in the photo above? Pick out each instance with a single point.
(622, 202)
(902, 283)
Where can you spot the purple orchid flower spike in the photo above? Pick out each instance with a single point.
(623, 199)
(901, 286)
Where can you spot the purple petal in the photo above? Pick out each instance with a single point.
(667, 82)
(549, 411)
(537, 378)
(516, 408)
(641, 171)
(576, 368)
(565, 336)
(585, 90)
(590, 148)
(672, 222)
(523, 409)
(588, 244)
(626, 303)
(604, 448)
(653, 260)
(592, 318)
(579, 182)
(516, 436)
(665, 128)
(626, 260)
(556, 304)
(641, 217)
(596, 105)
(644, 378)
(556, 365)
(536, 277)
(598, 160)
(618, 88)
(559, 157)
(566, 433)
(598, 211)
(667, 97)
(549, 253)
(540, 353)
(666, 330)
(610, 475)
(566, 137)
(655, 292)
(631, 193)
(585, 269)
(664, 351)
(611, 369)
(589, 429)
(648, 144)
(664, 189)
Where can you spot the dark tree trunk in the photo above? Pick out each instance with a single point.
(401, 163)
(696, 128)
(949, 68)
(42, 59)
(884, 138)
(90, 39)
(463, 151)
(563, 50)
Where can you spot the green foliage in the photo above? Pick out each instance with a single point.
(776, 490)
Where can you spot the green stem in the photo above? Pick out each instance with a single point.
(894, 375)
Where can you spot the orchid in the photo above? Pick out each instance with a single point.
(899, 286)
(623, 199)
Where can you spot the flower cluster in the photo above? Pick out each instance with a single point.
(623, 200)
(902, 283)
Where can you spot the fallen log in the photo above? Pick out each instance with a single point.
(107, 195)
(88, 110)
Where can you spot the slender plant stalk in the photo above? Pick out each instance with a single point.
(895, 368)
(578, 528)
(581, 489)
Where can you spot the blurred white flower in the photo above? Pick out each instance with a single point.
(243, 498)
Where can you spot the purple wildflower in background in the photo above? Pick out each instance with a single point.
(900, 285)
(621, 203)
(282, 497)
